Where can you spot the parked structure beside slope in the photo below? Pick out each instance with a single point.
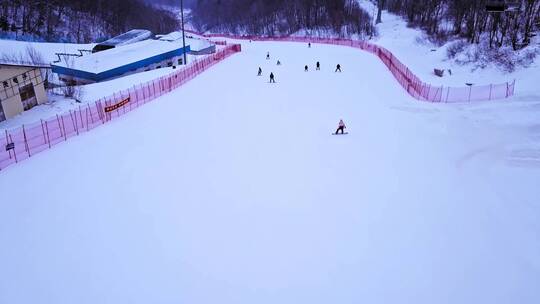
(21, 88)
(122, 60)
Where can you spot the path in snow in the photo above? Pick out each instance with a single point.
(232, 190)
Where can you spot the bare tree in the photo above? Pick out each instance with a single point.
(71, 89)
(380, 7)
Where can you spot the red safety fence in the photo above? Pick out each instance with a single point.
(406, 78)
(21, 143)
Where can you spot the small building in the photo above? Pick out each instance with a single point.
(21, 88)
(197, 46)
(124, 39)
(122, 60)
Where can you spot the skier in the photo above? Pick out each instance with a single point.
(260, 72)
(318, 66)
(338, 68)
(341, 127)
(309, 44)
(272, 80)
(306, 68)
(278, 62)
(268, 56)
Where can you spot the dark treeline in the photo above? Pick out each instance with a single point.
(278, 17)
(176, 3)
(469, 19)
(81, 20)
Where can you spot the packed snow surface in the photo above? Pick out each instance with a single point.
(233, 190)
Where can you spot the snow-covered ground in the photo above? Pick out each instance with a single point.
(88, 94)
(232, 190)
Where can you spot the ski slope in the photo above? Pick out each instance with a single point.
(232, 190)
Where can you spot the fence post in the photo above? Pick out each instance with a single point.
(80, 115)
(131, 98)
(122, 98)
(143, 93)
(7, 142)
(14, 150)
(48, 137)
(59, 125)
(99, 111)
(43, 131)
(74, 121)
(91, 116)
(86, 115)
(490, 90)
(26, 142)
(64, 127)
(470, 91)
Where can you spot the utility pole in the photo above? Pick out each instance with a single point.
(183, 32)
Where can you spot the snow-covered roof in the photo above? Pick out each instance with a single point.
(121, 56)
(24, 64)
(195, 44)
(170, 37)
(128, 37)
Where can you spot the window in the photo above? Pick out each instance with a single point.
(15, 80)
(24, 76)
(169, 64)
(28, 96)
(180, 61)
(6, 84)
(158, 67)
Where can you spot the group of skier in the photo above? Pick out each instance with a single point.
(272, 78)
(341, 125)
(318, 67)
(306, 68)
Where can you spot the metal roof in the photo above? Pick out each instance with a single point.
(128, 37)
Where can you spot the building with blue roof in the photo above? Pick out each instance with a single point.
(121, 60)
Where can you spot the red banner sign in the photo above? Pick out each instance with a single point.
(117, 105)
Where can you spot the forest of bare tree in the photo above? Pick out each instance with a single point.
(81, 20)
(278, 17)
(444, 19)
(441, 19)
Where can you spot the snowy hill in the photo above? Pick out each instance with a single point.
(79, 21)
(233, 190)
(413, 48)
